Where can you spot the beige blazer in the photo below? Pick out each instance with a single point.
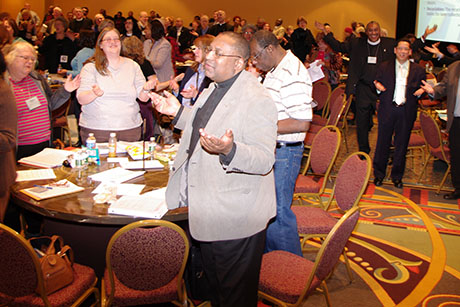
(234, 201)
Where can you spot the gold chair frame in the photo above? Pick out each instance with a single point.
(323, 287)
(304, 237)
(107, 298)
(41, 284)
(317, 196)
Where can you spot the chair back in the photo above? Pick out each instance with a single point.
(324, 150)
(351, 181)
(337, 92)
(20, 272)
(333, 246)
(430, 130)
(336, 107)
(441, 75)
(321, 92)
(147, 255)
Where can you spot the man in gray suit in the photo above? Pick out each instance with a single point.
(450, 87)
(227, 179)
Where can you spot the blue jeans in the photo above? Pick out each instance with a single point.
(282, 232)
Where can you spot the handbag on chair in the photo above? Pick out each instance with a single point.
(56, 266)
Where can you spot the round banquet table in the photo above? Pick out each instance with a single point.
(86, 226)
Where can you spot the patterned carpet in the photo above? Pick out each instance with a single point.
(404, 252)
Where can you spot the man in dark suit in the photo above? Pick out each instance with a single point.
(450, 87)
(181, 34)
(398, 84)
(365, 53)
(221, 24)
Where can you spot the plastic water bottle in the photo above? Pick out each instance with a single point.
(91, 147)
(59, 69)
(113, 145)
(151, 147)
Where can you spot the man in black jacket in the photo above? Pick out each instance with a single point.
(365, 53)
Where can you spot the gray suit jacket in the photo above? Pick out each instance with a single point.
(449, 87)
(237, 200)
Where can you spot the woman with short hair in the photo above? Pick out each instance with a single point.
(34, 99)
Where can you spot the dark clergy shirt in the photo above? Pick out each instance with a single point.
(204, 113)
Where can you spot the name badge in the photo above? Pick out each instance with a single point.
(33, 103)
(371, 60)
(64, 59)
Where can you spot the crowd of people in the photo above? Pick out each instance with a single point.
(243, 105)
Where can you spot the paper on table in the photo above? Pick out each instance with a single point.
(129, 189)
(47, 158)
(35, 174)
(148, 164)
(117, 174)
(104, 148)
(62, 187)
(151, 205)
(315, 71)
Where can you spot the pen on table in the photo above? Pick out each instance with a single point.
(41, 186)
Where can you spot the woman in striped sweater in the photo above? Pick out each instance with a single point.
(34, 99)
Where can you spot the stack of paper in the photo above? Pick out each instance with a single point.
(47, 158)
(35, 174)
(150, 205)
(117, 175)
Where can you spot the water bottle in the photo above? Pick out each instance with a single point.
(91, 147)
(59, 68)
(151, 147)
(113, 145)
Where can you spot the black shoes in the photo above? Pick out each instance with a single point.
(378, 181)
(453, 195)
(398, 183)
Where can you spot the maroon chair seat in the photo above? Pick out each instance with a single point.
(287, 279)
(284, 275)
(313, 220)
(308, 184)
(438, 152)
(84, 278)
(318, 120)
(125, 296)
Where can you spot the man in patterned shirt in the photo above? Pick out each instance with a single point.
(290, 86)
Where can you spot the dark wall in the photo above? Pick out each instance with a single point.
(405, 17)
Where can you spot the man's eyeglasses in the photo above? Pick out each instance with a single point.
(219, 54)
(110, 40)
(254, 58)
(27, 58)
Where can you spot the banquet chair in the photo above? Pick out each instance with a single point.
(350, 184)
(145, 263)
(22, 282)
(321, 93)
(323, 153)
(322, 121)
(436, 148)
(287, 279)
(337, 108)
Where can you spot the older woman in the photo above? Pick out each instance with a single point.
(8, 130)
(109, 87)
(57, 48)
(157, 51)
(34, 98)
(195, 80)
